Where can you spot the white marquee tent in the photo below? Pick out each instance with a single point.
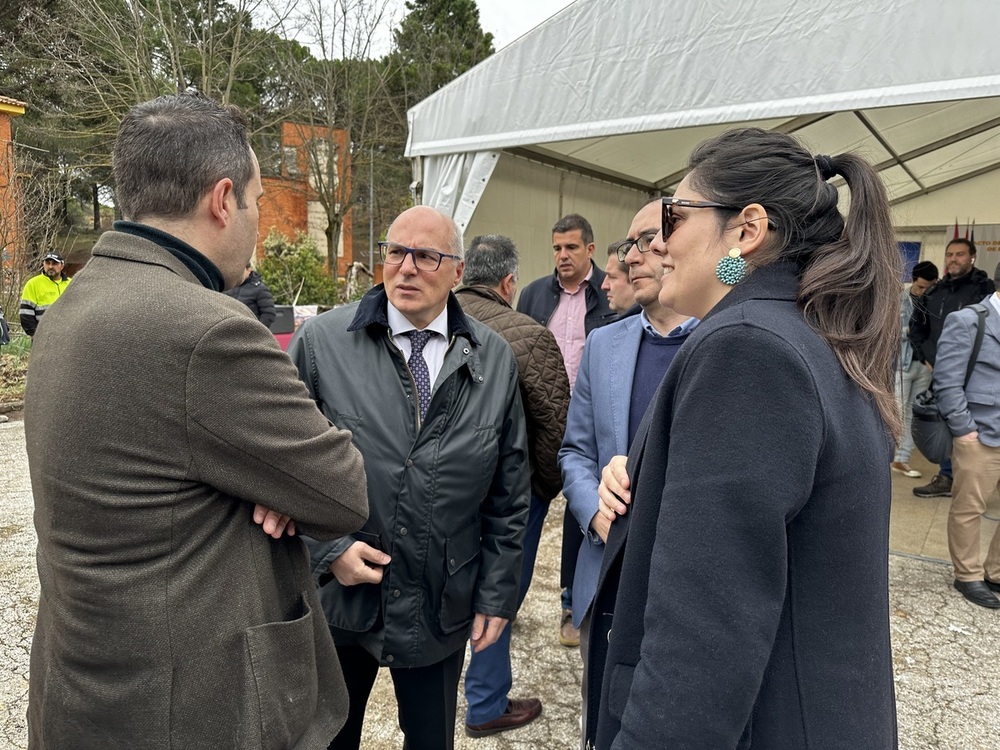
(597, 109)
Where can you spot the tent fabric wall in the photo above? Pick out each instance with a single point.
(623, 89)
(526, 198)
(454, 183)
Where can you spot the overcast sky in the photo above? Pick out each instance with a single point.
(509, 19)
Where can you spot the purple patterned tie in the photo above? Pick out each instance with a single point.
(419, 369)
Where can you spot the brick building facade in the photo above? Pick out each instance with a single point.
(291, 202)
(9, 195)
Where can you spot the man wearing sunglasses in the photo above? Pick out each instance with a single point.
(431, 397)
(623, 363)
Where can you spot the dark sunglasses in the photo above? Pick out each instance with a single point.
(668, 219)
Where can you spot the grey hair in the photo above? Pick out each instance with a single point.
(171, 150)
(491, 258)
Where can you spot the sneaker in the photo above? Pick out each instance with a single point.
(905, 469)
(568, 635)
(940, 486)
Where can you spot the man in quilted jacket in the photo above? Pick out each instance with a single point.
(490, 285)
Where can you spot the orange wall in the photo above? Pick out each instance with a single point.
(285, 203)
(8, 200)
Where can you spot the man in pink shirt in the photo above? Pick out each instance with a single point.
(570, 303)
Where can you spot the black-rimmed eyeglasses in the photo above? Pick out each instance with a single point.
(640, 243)
(668, 220)
(394, 254)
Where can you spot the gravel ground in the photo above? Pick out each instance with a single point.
(945, 651)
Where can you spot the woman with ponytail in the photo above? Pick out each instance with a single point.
(743, 599)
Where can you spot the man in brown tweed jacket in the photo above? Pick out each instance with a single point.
(167, 617)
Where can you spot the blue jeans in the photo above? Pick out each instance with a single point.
(945, 469)
(488, 677)
(909, 382)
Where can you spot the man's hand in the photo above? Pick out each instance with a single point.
(274, 523)
(612, 493)
(972, 437)
(600, 526)
(360, 563)
(485, 631)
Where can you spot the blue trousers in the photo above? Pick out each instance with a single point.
(945, 469)
(488, 677)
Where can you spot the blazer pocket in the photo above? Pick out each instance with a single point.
(283, 663)
(621, 686)
(461, 558)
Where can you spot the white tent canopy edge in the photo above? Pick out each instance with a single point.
(621, 90)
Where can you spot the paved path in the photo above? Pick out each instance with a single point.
(947, 675)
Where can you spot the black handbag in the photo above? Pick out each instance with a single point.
(930, 430)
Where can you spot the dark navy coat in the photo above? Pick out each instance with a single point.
(743, 599)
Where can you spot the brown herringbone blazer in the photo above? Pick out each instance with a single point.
(157, 413)
(544, 383)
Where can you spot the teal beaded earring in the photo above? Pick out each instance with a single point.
(732, 269)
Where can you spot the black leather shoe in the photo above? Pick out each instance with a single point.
(518, 713)
(992, 585)
(979, 593)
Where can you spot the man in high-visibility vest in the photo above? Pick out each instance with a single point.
(41, 291)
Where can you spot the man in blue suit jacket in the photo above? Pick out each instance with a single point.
(623, 364)
(973, 414)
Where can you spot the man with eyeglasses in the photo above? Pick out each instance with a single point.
(431, 397)
(622, 365)
(571, 303)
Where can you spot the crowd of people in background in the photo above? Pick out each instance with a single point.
(935, 320)
(251, 536)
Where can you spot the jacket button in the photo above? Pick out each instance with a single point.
(390, 658)
(451, 561)
(465, 350)
(480, 378)
(409, 463)
(403, 531)
(395, 594)
(609, 635)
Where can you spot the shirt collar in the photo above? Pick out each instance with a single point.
(586, 278)
(398, 324)
(681, 330)
(996, 301)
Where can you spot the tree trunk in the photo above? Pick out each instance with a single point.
(332, 236)
(97, 208)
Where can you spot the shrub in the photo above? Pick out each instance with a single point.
(14, 368)
(294, 272)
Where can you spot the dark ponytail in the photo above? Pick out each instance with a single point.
(849, 269)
